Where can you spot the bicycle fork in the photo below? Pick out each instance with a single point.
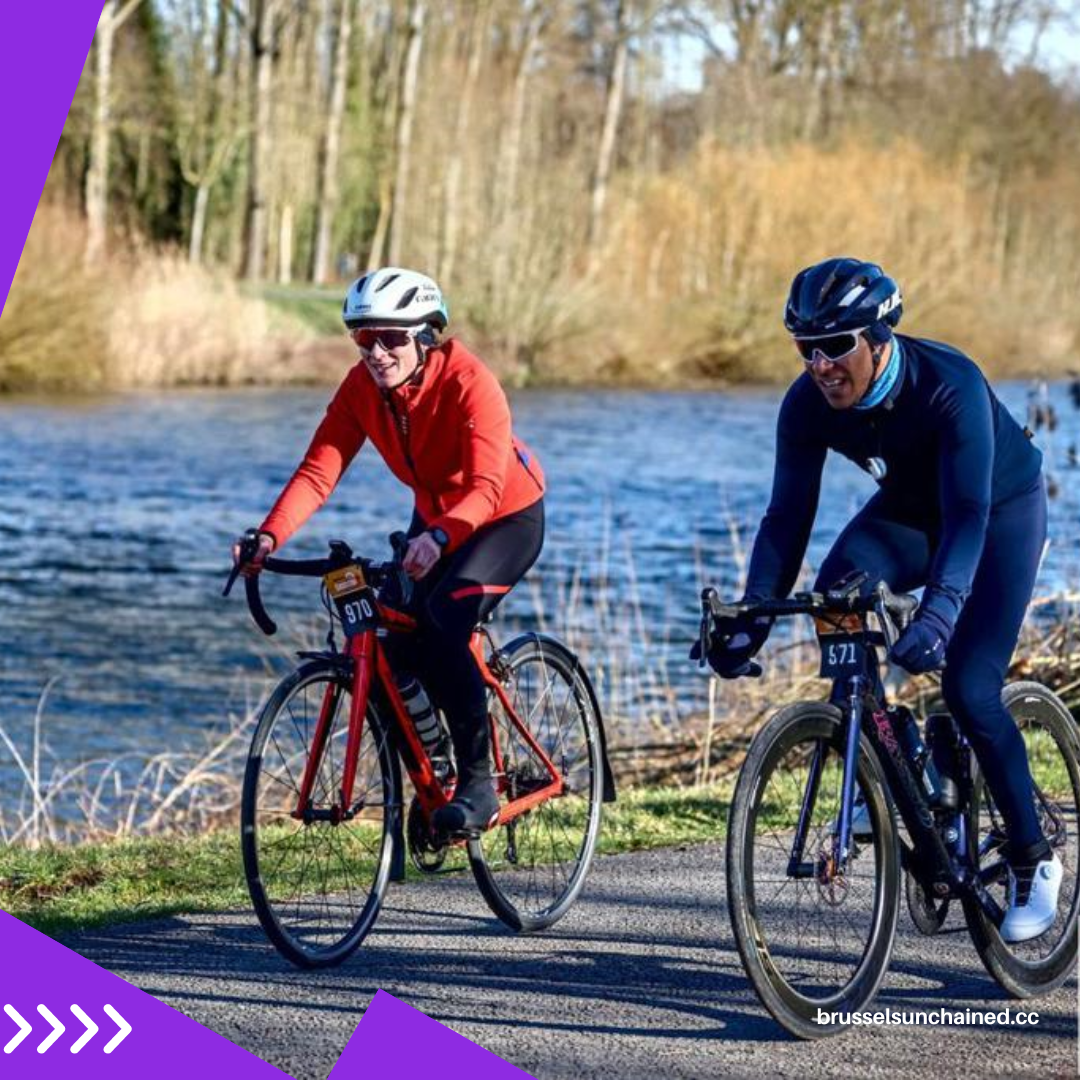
(360, 652)
(837, 858)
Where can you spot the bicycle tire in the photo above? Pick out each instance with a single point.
(1029, 969)
(321, 927)
(559, 836)
(766, 955)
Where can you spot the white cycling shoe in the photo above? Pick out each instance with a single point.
(1033, 899)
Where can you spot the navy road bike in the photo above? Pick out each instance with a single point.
(813, 900)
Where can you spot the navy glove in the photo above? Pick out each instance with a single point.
(732, 643)
(921, 647)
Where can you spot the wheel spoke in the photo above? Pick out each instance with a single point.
(318, 884)
(553, 841)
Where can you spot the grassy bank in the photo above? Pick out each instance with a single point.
(61, 888)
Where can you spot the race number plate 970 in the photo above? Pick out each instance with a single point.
(353, 597)
(842, 656)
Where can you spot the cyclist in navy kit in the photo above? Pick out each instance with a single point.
(960, 509)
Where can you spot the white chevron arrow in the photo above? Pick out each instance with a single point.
(88, 1034)
(24, 1028)
(58, 1029)
(121, 1035)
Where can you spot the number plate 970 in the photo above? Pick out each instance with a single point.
(841, 656)
(357, 612)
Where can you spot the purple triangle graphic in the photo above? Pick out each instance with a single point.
(42, 50)
(163, 1044)
(394, 1039)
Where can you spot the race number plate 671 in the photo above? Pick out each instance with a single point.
(842, 655)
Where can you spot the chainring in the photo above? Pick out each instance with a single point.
(927, 913)
(427, 855)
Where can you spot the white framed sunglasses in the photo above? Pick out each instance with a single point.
(389, 337)
(834, 347)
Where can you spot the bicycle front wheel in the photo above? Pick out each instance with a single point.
(317, 881)
(814, 939)
(531, 869)
(1029, 968)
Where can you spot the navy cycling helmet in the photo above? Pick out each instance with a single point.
(843, 294)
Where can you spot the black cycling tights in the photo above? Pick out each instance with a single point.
(458, 593)
(887, 544)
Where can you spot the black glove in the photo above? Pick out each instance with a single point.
(732, 644)
(921, 647)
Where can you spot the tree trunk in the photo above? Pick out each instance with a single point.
(285, 245)
(97, 175)
(509, 164)
(378, 240)
(198, 223)
(616, 88)
(403, 142)
(455, 165)
(331, 149)
(506, 192)
(262, 78)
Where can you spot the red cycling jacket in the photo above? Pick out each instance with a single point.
(447, 435)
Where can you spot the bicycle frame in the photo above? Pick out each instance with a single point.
(927, 856)
(370, 665)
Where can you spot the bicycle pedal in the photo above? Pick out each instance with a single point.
(463, 835)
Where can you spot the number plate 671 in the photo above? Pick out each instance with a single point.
(842, 655)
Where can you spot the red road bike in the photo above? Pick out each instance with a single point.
(323, 816)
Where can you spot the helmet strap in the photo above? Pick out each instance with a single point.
(877, 350)
(425, 341)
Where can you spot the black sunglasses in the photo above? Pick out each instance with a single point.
(388, 337)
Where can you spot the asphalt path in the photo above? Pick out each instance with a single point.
(641, 979)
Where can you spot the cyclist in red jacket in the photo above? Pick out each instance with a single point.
(441, 422)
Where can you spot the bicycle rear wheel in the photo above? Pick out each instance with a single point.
(532, 869)
(1029, 968)
(317, 884)
(811, 941)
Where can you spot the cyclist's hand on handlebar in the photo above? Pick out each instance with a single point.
(253, 564)
(732, 644)
(921, 647)
(422, 554)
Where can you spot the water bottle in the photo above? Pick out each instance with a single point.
(428, 725)
(943, 738)
(906, 729)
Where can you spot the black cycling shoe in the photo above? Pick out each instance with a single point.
(473, 809)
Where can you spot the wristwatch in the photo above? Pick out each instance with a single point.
(440, 537)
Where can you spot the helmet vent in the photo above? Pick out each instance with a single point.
(389, 281)
(407, 299)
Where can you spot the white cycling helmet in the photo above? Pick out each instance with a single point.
(394, 297)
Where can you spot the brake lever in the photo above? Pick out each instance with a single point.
(705, 630)
(888, 627)
(399, 544)
(249, 545)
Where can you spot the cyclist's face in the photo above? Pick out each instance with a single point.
(843, 382)
(391, 366)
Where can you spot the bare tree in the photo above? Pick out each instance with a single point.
(208, 130)
(403, 140)
(113, 16)
(331, 147)
(456, 155)
(613, 103)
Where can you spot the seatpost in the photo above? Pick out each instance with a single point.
(856, 686)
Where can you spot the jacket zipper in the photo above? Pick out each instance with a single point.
(401, 426)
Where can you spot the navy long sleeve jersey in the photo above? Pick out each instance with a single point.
(952, 452)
